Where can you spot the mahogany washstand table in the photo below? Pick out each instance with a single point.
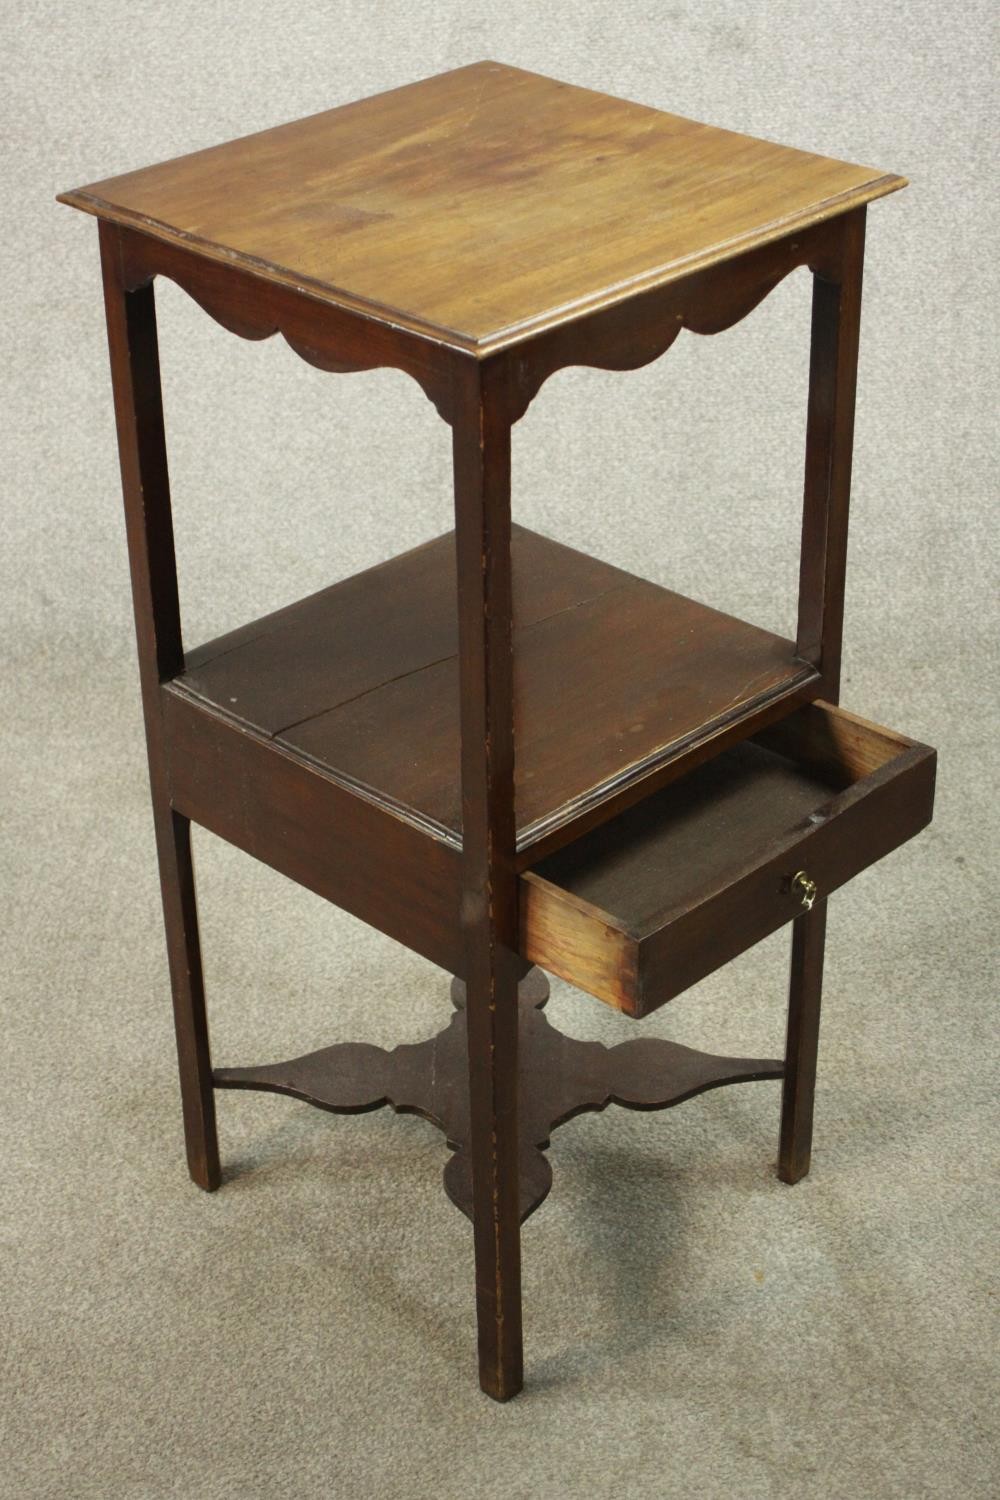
(502, 752)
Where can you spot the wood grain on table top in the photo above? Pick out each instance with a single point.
(485, 204)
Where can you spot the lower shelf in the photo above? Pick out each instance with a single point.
(645, 906)
(559, 1077)
(618, 685)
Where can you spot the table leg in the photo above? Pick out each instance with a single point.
(833, 372)
(180, 919)
(804, 996)
(489, 896)
(135, 374)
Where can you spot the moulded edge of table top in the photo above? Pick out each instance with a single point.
(601, 296)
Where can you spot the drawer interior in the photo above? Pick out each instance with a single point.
(660, 896)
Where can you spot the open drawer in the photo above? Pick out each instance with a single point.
(654, 900)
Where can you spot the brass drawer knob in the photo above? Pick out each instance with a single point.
(804, 887)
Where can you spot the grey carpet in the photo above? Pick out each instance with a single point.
(693, 1327)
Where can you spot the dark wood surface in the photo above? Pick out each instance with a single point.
(290, 815)
(805, 990)
(560, 1077)
(833, 368)
(653, 901)
(395, 619)
(617, 683)
(479, 207)
(333, 338)
(489, 908)
(628, 335)
(135, 378)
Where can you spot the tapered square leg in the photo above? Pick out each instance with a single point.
(804, 997)
(492, 1018)
(135, 374)
(481, 452)
(180, 918)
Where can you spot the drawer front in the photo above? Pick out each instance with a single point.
(843, 837)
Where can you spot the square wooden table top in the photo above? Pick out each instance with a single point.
(483, 205)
